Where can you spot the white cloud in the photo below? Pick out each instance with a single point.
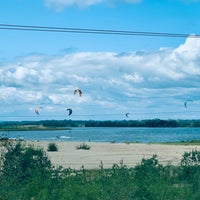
(61, 4)
(137, 78)
(110, 82)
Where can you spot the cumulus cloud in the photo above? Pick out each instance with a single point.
(137, 78)
(110, 82)
(61, 4)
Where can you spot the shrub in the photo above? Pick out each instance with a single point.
(52, 147)
(190, 164)
(21, 159)
(148, 168)
(26, 173)
(83, 146)
(191, 158)
(23, 169)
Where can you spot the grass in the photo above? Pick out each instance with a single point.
(83, 146)
(27, 173)
(52, 147)
(191, 142)
(31, 128)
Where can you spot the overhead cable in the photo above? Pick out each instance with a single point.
(14, 27)
(106, 114)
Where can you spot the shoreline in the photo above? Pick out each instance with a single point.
(33, 128)
(107, 154)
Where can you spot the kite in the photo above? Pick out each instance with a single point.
(37, 109)
(186, 102)
(78, 91)
(127, 114)
(70, 111)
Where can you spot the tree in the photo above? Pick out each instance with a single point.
(24, 169)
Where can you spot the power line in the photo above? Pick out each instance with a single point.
(132, 114)
(14, 27)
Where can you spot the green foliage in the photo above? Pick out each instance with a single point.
(62, 124)
(23, 169)
(83, 146)
(52, 147)
(190, 167)
(147, 175)
(191, 158)
(27, 173)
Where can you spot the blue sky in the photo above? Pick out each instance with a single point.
(149, 77)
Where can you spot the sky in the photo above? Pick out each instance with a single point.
(146, 76)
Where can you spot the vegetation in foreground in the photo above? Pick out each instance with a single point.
(27, 173)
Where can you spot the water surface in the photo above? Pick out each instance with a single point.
(105, 134)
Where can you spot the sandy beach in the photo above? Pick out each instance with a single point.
(112, 153)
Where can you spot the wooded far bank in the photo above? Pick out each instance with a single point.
(92, 123)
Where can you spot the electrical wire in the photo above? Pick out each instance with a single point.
(16, 27)
(132, 113)
(13, 27)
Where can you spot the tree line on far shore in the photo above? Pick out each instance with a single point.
(108, 123)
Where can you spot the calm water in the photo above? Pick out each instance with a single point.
(143, 135)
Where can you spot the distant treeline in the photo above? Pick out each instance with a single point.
(109, 123)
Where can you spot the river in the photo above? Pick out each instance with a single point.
(114, 134)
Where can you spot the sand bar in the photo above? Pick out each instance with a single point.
(112, 153)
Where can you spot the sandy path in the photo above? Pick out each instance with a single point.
(111, 153)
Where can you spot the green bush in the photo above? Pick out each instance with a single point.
(191, 158)
(190, 166)
(52, 147)
(83, 146)
(27, 173)
(24, 170)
